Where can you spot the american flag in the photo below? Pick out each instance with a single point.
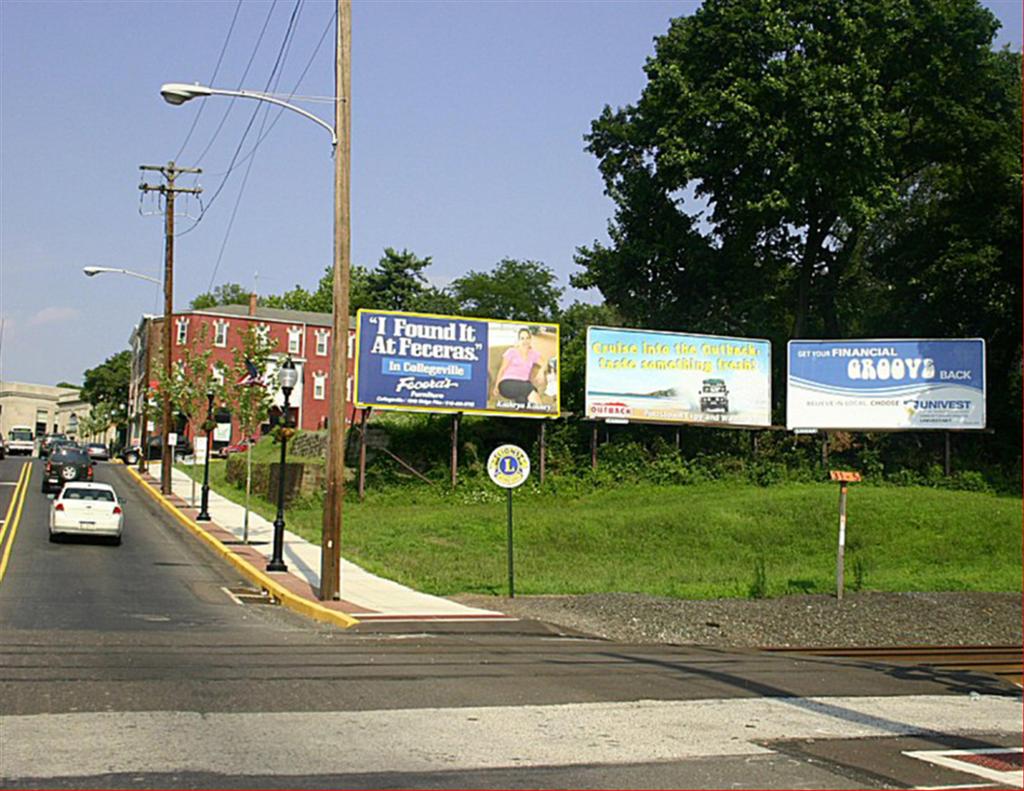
(253, 378)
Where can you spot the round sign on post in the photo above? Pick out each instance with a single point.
(508, 466)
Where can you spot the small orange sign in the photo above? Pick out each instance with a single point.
(844, 475)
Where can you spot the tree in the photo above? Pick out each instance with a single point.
(107, 385)
(191, 378)
(770, 139)
(224, 294)
(573, 323)
(250, 398)
(516, 290)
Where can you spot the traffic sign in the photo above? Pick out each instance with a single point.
(508, 466)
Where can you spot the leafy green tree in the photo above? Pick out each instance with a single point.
(192, 376)
(516, 290)
(224, 294)
(770, 139)
(250, 400)
(107, 385)
(573, 323)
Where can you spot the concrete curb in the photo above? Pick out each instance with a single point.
(288, 599)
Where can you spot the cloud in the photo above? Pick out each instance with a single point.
(54, 315)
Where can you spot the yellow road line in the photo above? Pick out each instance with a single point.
(14, 501)
(13, 524)
(288, 599)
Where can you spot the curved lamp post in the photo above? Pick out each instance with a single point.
(177, 93)
(204, 508)
(180, 92)
(92, 271)
(288, 376)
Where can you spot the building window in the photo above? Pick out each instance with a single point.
(218, 374)
(182, 335)
(220, 336)
(351, 346)
(294, 340)
(321, 342)
(319, 386)
(263, 331)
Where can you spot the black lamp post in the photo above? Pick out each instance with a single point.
(288, 376)
(204, 508)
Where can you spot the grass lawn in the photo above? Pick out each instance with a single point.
(697, 541)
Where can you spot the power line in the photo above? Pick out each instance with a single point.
(259, 136)
(241, 82)
(234, 158)
(289, 97)
(213, 79)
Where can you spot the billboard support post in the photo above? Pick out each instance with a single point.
(593, 448)
(362, 452)
(948, 461)
(677, 440)
(543, 450)
(824, 449)
(455, 448)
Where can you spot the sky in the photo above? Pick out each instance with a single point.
(467, 146)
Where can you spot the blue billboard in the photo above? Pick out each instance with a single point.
(886, 384)
(420, 361)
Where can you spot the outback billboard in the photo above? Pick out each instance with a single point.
(424, 362)
(672, 377)
(886, 384)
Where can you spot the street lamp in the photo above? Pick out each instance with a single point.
(204, 508)
(92, 271)
(288, 376)
(341, 137)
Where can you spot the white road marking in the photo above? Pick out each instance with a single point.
(449, 739)
(953, 759)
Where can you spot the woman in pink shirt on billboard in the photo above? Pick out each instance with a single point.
(515, 379)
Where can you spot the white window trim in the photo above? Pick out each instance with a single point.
(295, 334)
(218, 326)
(319, 386)
(321, 342)
(217, 371)
(182, 335)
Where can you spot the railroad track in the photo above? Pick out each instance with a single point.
(1002, 661)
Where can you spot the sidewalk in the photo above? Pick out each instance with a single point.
(362, 595)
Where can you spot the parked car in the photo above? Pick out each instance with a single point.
(3, 449)
(238, 447)
(20, 440)
(97, 451)
(89, 509)
(66, 465)
(47, 442)
(132, 453)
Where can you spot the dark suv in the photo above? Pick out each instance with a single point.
(66, 465)
(49, 442)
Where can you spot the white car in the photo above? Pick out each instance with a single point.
(87, 509)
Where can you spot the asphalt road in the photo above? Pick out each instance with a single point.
(131, 666)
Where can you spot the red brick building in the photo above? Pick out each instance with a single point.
(305, 337)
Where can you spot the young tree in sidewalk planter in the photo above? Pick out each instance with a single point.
(250, 391)
(192, 377)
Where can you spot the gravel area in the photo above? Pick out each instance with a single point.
(860, 619)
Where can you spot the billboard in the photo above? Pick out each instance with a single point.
(673, 377)
(886, 384)
(419, 361)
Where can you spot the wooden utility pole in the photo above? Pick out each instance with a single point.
(170, 172)
(330, 543)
